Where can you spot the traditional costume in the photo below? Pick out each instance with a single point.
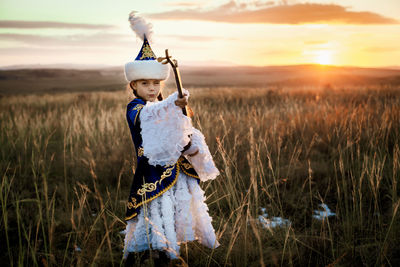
(166, 204)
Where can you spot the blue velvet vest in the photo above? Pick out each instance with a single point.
(149, 182)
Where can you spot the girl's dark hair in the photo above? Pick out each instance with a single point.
(160, 97)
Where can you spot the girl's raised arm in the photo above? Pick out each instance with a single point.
(165, 130)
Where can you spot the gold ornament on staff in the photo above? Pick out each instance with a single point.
(174, 63)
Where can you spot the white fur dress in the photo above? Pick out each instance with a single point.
(180, 214)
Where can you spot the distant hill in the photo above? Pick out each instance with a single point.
(298, 75)
(23, 81)
(53, 80)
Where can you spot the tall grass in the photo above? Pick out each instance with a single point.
(67, 166)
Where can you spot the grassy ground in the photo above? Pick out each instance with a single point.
(67, 162)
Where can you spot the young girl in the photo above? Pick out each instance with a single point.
(166, 204)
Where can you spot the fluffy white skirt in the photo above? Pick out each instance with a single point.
(178, 215)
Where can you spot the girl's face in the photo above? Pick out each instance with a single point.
(147, 89)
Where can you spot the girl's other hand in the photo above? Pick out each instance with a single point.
(181, 101)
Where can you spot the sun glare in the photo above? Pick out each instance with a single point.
(323, 57)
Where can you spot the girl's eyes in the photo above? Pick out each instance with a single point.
(146, 83)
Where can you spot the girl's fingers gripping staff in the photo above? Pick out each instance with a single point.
(182, 101)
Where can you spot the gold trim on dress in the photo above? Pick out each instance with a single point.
(150, 187)
(130, 217)
(138, 107)
(132, 204)
(187, 166)
(140, 151)
(157, 195)
(189, 174)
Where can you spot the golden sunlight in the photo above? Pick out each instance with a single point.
(323, 57)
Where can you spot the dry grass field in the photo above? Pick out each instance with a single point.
(67, 163)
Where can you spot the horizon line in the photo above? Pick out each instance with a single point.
(106, 66)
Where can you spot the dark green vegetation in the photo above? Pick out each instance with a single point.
(67, 160)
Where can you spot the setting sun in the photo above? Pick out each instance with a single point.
(323, 57)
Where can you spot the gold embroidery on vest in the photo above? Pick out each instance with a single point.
(186, 165)
(140, 151)
(158, 194)
(150, 187)
(138, 107)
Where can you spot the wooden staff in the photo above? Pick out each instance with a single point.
(174, 64)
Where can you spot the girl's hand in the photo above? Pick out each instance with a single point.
(181, 101)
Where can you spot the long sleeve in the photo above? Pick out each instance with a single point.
(165, 131)
(202, 162)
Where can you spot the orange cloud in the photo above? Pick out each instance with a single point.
(22, 24)
(232, 12)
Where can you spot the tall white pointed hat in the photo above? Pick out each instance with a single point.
(145, 66)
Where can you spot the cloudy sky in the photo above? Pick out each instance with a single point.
(218, 32)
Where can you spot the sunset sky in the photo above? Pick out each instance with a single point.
(337, 32)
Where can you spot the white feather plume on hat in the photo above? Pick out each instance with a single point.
(149, 68)
(140, 26)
